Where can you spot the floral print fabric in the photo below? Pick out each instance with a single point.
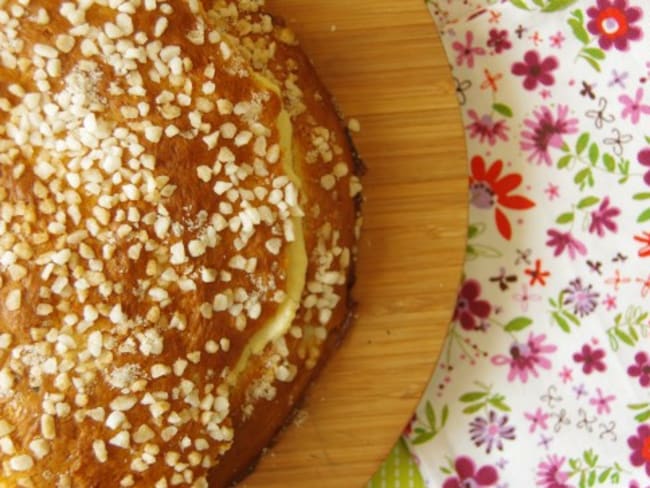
(544, 379)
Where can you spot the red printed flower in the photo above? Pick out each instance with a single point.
(469, 309)
(640, 445)
(611, 21)
(468, 476)
(535, 70)
(644, 252)
(591, 359)
(488, 189)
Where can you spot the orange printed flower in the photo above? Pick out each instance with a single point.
(489, 189)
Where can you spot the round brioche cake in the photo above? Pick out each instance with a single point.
(179, 207)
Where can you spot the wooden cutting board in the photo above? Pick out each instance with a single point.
(383, 62)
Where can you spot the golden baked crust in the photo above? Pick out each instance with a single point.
(329, 167)
(172, 199)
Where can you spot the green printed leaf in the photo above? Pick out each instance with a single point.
(588, 457)
(594, 152)
(643, 416)
(422, 438)
(608, 161)
(499, 404)
(604, 475)
(571, 317)
(561, 322)
(594, 52)
(431, 415)
(517, 324)
(644, 217)
(579, 30)
(473, 408)
(474, 230)
(503, 109)
(624, 167)
(565, 218)
(624, 337)
(592, 478)
(520, 4)
(594, 64)
(444, 415)
(584, 177)
(638, 406)
(588, 202)
(578, 15)
(472, 396)
(564, 161)
(555, 5)
(582, 142)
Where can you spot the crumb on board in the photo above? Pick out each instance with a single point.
(354, 125)
(300, 418)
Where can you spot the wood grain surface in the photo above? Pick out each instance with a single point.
(384, 64)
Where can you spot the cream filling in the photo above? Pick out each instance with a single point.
(278, 325)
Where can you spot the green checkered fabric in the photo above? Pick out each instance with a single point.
(398, 471)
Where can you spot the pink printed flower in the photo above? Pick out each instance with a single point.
(525, 358)
(499, 40)
(641, 368)
(635, 484)
(470, 310)
(603, 218)
(583, 299)
(562, 241)
(640, 445)
(550, 474)
(601, 402)
(611, 21)
(525, 297)
(468, 476)
(466, 51)
(591, 359)
(487, 129)
(634, 108)
(644, 159)
(545, 131)
(491, 431)
(535, 70)
(537, 419)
